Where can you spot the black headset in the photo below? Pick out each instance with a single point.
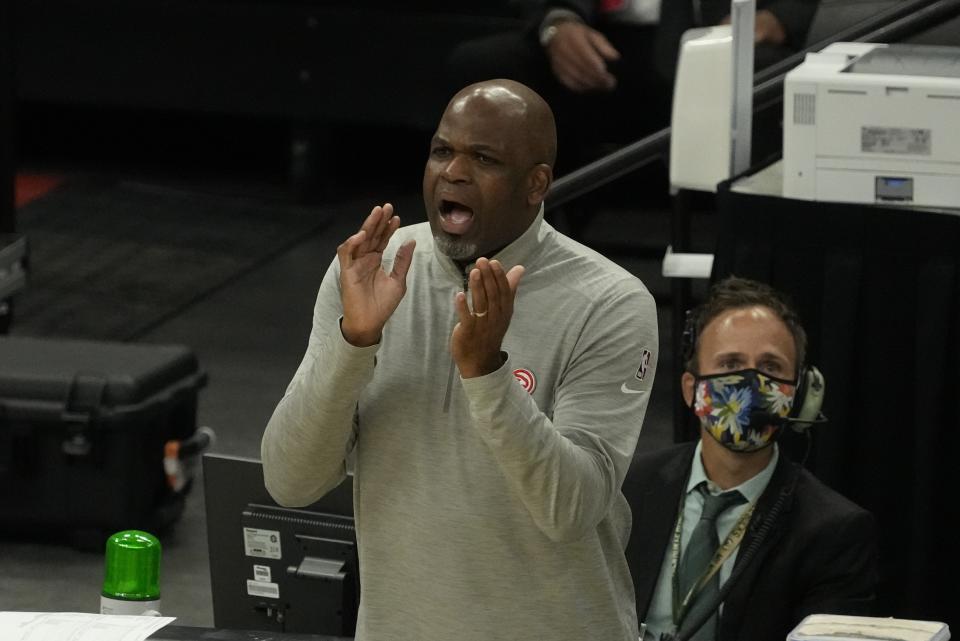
(808, 398)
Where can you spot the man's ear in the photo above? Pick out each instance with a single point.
(687, 382)
(539, 181)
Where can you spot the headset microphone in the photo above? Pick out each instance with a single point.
(760, 419)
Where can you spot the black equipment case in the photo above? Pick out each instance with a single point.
(87, 434)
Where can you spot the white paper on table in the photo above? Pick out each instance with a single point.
(837, 627)
(77, 626)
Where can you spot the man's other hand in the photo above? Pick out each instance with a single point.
(579, 55)
(768, 29)
(478, 337)
(369, 294)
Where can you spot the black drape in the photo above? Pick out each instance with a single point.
(878, 290)
(7, 101)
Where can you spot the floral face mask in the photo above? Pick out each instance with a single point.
(743, 410)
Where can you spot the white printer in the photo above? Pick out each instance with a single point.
(874, 123)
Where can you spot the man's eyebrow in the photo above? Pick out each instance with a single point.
(479, 147)
(486, 148)
(774, 355)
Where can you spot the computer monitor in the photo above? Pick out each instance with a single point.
(275, 568)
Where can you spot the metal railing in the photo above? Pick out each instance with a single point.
(895, 23)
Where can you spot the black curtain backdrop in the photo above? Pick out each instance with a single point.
(878, 290)
(7, 138)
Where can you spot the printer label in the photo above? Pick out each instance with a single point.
(895, 140)
(264, 544)
(262, 589)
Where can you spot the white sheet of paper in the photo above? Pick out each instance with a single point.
(77, 626)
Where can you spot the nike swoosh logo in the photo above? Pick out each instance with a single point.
(627, 390)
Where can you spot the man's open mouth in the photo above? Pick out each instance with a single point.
(455, 217)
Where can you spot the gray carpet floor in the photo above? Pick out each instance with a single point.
(113, 258)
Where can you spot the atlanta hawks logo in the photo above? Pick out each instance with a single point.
(527, 380)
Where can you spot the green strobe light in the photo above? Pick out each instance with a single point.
(131, 582)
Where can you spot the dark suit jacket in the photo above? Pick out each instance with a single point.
(819, 556)
(676, 16)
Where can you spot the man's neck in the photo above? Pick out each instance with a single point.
(729, 469)
(463, 264)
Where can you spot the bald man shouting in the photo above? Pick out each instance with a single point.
(486, 377)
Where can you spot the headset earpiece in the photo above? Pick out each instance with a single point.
(808, 400)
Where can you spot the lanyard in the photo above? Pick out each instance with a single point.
(681, 607)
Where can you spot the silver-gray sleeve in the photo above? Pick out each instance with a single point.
(311, 432)
(568, 471)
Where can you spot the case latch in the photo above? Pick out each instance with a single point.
(81, 412)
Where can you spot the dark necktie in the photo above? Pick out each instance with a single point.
(696, 558)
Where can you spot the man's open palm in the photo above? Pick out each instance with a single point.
(369, 294)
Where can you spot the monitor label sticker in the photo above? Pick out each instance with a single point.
(262, 589)
(261, 573)
(264, 544)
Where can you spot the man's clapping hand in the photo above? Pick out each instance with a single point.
(368, 293)
(476, 340)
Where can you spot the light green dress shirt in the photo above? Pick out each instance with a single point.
(660, 614)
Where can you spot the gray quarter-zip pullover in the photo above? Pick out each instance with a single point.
(486, 508)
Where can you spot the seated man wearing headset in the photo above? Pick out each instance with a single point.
(730, 539)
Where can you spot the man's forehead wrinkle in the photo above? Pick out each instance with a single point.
(470, 143)
(730, 353)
